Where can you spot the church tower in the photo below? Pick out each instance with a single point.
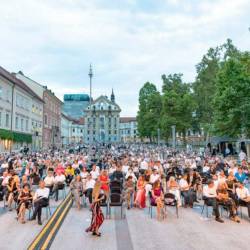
(112, 97)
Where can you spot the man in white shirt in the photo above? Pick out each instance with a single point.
(95, 172)
(49, 181)
(243, 196)
(154, 177)
(210, 198)
(40, 199)
(90, 183)
(59, 184)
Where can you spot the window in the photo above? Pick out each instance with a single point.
(22, 124)
(45, 119)
(73, 130)
(7, 117)
(88, 132)
(27, 125)
(81, 130)
(16, 122)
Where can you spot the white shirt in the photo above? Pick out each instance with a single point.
(125, 168)
(242, 193)
(183, 184)
(49, 180)
(90, 184)
(210, 192)
(94, 174)
(144, 165)
(83, 174)
(205, 169)
(153, 178)
(41, 193)
(60, 178)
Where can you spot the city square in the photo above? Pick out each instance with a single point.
(125, 125)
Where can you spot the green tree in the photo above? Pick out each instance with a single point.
(232, 96)
(177, 105)
(204, 86)
(149, 111)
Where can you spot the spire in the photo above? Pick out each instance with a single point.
(112, 98)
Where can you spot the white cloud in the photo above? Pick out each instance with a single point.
(54, 41)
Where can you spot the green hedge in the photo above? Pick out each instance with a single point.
(15, 136)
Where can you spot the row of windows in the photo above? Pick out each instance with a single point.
(22, 102)
(96, 139)
(96, 132)
(77, 130)
(52, 122)
(128, 131)
(22, 124)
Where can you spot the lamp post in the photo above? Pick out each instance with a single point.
(90, 100)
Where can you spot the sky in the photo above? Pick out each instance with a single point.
(128, 42)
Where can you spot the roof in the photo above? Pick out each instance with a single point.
(104, 98)
(127, 119)
(81, 121)
(45, 88)
(12, 78)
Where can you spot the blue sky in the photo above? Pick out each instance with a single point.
(128, 42)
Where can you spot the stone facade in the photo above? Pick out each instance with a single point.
(102, 121)
(72, 130)
(19, 107)
(51, 115)
(128, 129)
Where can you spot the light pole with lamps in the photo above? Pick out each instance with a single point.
(90, 101)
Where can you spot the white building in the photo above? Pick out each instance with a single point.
(72, 130)
(102, 121)
(20, 110)
(50, 117)
(128, 129)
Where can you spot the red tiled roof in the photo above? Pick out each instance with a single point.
(11, 77)
(127, 119)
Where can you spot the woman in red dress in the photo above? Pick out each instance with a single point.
(97, 215)
(104, 179)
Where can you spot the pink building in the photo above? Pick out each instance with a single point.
(51, 120)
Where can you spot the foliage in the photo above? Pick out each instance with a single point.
(177, 105)
(232, 96)
(149, 111)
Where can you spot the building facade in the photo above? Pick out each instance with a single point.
(74, 105)
(128, 129)
(51, 128)
(72, 130)
(102, 121)
(19, 107)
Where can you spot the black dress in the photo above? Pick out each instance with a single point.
(27, 201)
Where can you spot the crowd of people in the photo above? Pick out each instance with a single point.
(142, 175)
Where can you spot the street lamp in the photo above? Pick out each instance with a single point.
(90, 100)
